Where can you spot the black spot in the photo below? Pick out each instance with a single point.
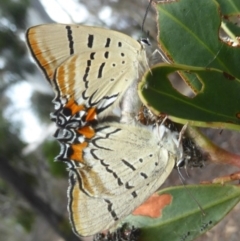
(128, 164)
(101, 70)
(106, 54)
(107, 43)
(89, 63)
(144, 175)
(67, 111)
(123, 62)
(70, 39)
(122, 54)
(112, 212)
(127, 185)
(134, 194)
(140, 160)
(114, 174)
(70, 151)
(113, 65)
(120, 182)
(119, 44)
(90, 40)
(92, 55)
(86, 74)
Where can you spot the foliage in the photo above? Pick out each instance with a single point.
(208, 62)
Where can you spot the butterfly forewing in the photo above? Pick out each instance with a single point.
(95, 82)
(92, 66)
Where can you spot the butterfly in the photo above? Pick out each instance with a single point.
(114, 168)
(89, 68)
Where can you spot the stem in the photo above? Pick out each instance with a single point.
(214, 153)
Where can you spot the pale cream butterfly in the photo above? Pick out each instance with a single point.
(88, 67)
(114, 168)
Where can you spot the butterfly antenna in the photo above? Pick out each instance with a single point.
(145, 16)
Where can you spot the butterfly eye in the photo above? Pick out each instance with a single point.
(145, 42)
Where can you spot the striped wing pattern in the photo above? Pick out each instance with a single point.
(113, 167)
(88, 68)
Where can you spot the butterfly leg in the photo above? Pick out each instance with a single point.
(159, 52)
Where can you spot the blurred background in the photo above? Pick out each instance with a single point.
(33, 202)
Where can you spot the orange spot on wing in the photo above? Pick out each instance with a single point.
(71, 67)
(75, 108)
(77, 151)
(91, 114)
(65, 78)
(36, 49)
(60, 80)
(153, 206)
(75, 195)
(87, 131)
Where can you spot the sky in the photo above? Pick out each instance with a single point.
(63, 11)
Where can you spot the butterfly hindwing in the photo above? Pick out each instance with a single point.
(90, 215)
(114, 157)
(120, 167)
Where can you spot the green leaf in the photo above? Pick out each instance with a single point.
(189, 34)
(229, 7)
(230, 10)
(216, 105)
(178, 216)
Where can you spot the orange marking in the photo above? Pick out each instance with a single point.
(79, 201)
(71, 78)
(77, 154)
(153, 206)
(75, 108)
(92, 184)
(70, 103)
(60, 79)
(91, 114)
(75, 196)
(66, 77)
(38, 53)
(86, 180)
(87, 131)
